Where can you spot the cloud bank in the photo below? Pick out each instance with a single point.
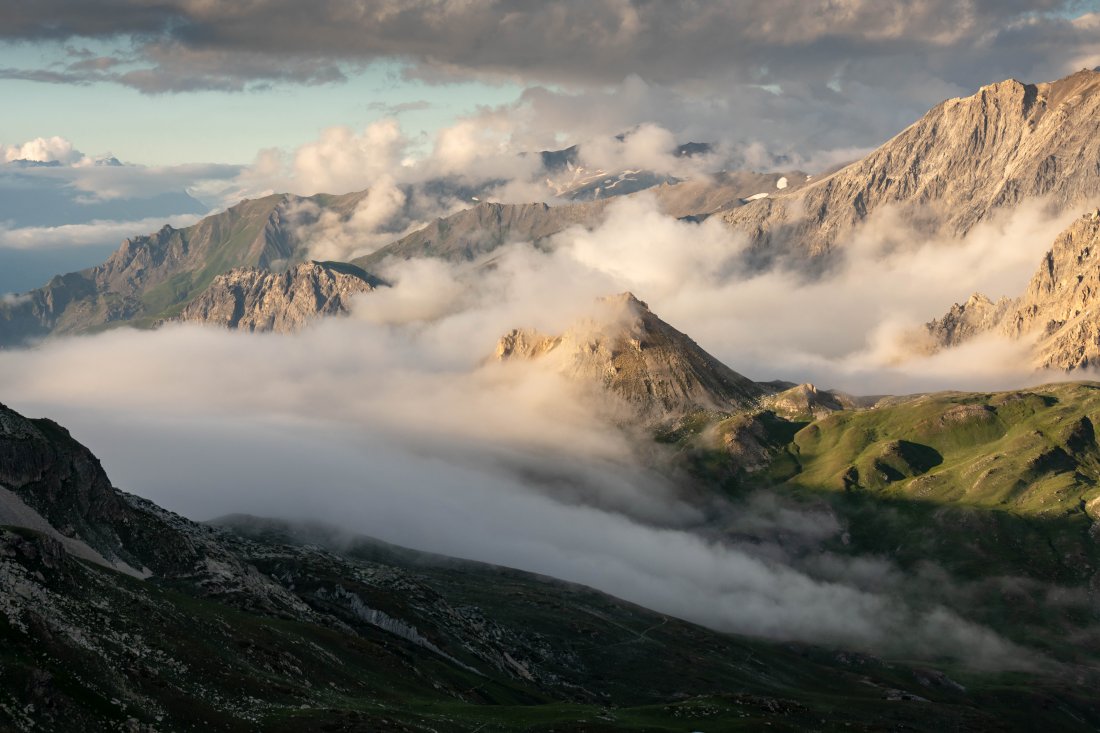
(392, 424)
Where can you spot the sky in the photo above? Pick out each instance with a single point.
(190, 81)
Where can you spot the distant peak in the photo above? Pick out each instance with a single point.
(977, 298)
(631, 352)
(625, 298)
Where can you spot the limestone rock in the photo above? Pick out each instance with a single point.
(963, 160)
(1060, 310)
(252, 299)
(632, 353)
(805, 401)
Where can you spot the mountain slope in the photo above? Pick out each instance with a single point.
(965, 159)
(474, 232)
(1059, 312)
(150, 278)
(660, 372)
(255, 624)
(252, 299)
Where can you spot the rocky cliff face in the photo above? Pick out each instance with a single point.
(253, 299)
(964, 321)
(657, 370)
(1060, 310)
(963, 160)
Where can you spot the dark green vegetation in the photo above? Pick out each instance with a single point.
(255, 624)
(987, 502)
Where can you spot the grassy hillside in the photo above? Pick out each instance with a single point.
(987, 502)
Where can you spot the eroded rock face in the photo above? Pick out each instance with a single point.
(252, 299)
(632, 353)
(1060, 310)
(963, 160)
(966, 320)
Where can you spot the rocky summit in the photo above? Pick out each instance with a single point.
(659, 371)
(963, 160)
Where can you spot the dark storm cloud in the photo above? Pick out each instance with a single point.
(189, 44)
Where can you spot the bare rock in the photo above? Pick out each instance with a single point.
(636, 356)
(252, 299)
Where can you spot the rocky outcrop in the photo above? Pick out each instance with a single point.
(1059, 311)
(629, 351)
(149, 277)
(55, 486)
(252, 299)
(806, 402)
(964, 321)
(963, 160)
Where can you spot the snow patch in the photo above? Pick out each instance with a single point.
(781, 183)
(755, 197)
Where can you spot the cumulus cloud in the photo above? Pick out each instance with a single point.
(342, 160)
(42, 150)
(802, 79)
(92, 180)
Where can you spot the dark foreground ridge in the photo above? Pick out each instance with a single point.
(118, 615)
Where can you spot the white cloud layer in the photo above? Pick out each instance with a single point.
(391, 423)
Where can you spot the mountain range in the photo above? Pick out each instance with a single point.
(116, 612)
(977, 514)
(964, 160)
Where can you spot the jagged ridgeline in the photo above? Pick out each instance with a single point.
(966, 158)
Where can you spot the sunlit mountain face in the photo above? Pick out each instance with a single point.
(569, 366)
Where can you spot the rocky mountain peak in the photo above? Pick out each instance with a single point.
(966, 158)
(627, 350)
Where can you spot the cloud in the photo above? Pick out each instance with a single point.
(14, 299)
(92, 233)
(598, 41)
(386, 424)
(342, 160)
(43, 150)
(841, 328)
(393, 110)
(392, 423)
(799, 78)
